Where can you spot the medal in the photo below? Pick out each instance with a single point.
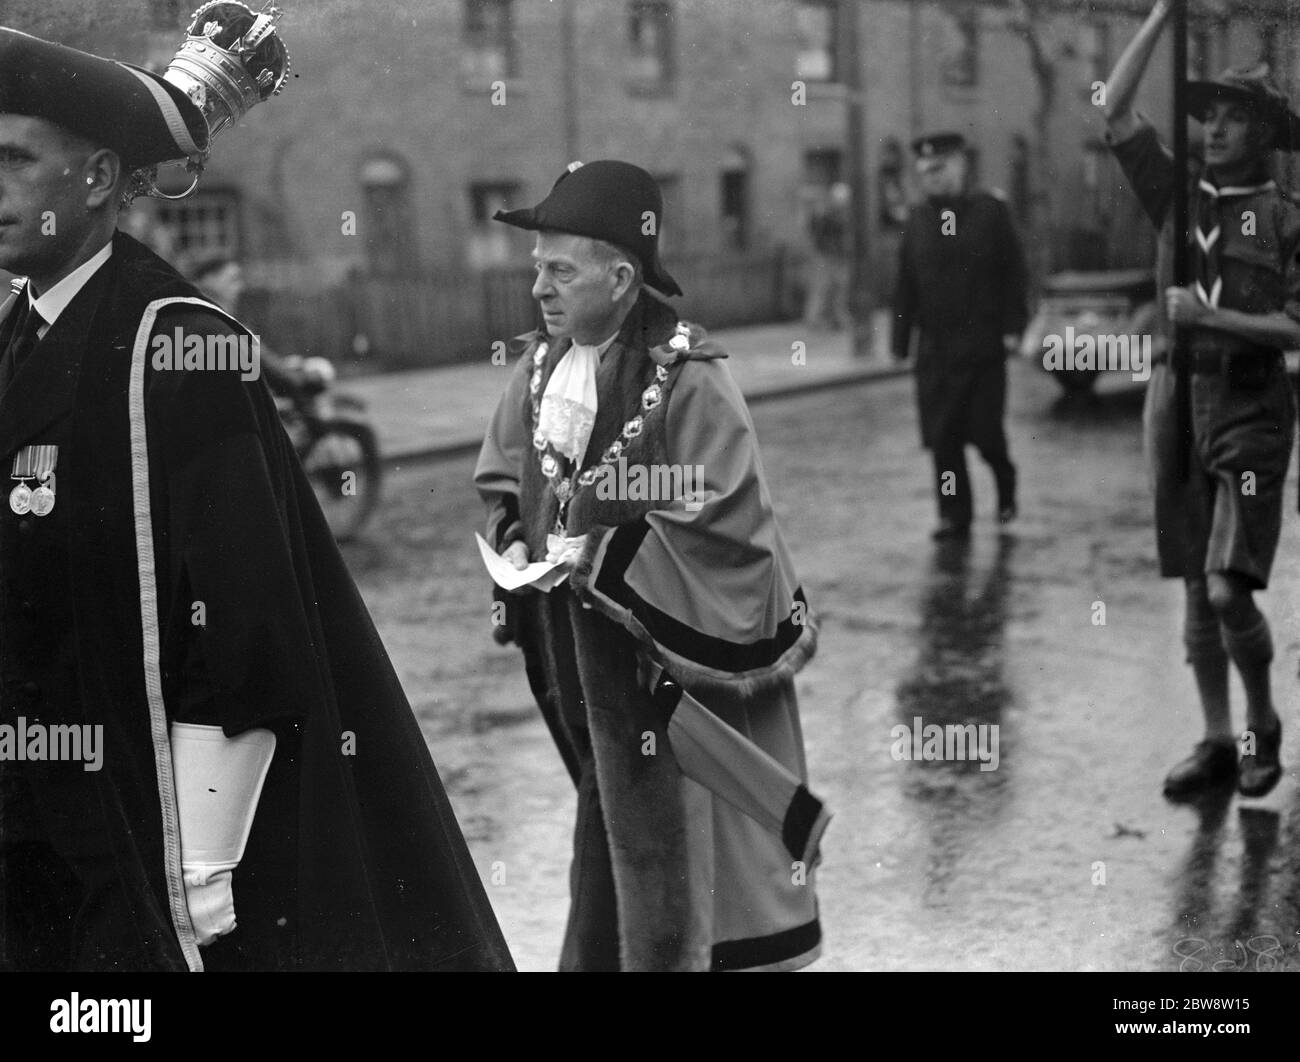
(20, 499)
(34, 462)
(42, 500)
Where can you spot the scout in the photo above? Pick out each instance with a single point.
(663, 596)
(266, 800)
(1218, 493)
(961, 286)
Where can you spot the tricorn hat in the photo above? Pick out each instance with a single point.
(136, 113)
(933, 144)
(1254, 87)
(604, 200)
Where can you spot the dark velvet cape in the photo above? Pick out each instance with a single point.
(355, 861)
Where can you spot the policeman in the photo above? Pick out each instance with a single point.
(1218, 490)
(961, 285)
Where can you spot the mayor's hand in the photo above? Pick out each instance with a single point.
(517, 554)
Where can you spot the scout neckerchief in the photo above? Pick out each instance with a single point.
(1209, 235)
(554, 468)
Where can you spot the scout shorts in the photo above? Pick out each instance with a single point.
(1227, 514)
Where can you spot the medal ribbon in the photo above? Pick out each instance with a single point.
(35, 462)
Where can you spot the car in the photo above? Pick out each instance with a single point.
(1112, 307)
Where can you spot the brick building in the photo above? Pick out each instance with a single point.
(420, 118)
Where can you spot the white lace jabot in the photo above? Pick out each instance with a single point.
(568, 411)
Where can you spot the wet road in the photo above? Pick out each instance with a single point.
(1065, 856)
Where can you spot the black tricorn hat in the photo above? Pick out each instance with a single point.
(1254, 87)
(933, 144)
(136, 113)
(604, 200)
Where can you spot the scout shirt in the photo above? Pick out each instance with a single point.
(1253, 232)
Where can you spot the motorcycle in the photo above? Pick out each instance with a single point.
(335, 443)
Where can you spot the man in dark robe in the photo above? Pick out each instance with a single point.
(171, 594)
(961, 286)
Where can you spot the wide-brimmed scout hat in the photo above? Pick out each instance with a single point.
(1254, 87)
(134, 112)
(604, 200)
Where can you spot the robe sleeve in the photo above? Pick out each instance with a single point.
(706, 586)
(226, 527)
(500, 459)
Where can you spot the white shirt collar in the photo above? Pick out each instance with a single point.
(56, 300)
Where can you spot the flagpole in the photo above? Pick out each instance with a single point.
(1181, 263)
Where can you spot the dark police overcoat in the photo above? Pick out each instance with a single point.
(180, 487)
(961, 284)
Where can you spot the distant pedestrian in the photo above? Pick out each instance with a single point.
(1218, 492)
(961, 287)
(828, 261)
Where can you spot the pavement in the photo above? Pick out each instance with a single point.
(442, 411)
(1055, 634)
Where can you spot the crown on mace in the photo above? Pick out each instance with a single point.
(231, 60)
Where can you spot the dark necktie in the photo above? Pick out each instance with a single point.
(24, 337)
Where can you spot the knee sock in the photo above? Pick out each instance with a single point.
(1206, 654)
(1251, 649)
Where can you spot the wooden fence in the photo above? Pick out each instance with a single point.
(440, 318)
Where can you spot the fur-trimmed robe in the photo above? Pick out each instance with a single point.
(708, 596)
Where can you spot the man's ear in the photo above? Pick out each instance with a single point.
(624, 274)
(102, 175)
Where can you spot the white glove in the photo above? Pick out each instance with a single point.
(218, 784)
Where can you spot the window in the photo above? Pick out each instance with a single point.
(206, 222)
(1198, 53)
(961, 67)
(1096, 51)
(821, 167)
(489, 53)
(1268, 43)
(489, 241)
(388, 224)
(651, 44)
(815, 60)
(734, 187)
(672, 225)
(166, 14)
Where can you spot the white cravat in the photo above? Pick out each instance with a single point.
(568, 411)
